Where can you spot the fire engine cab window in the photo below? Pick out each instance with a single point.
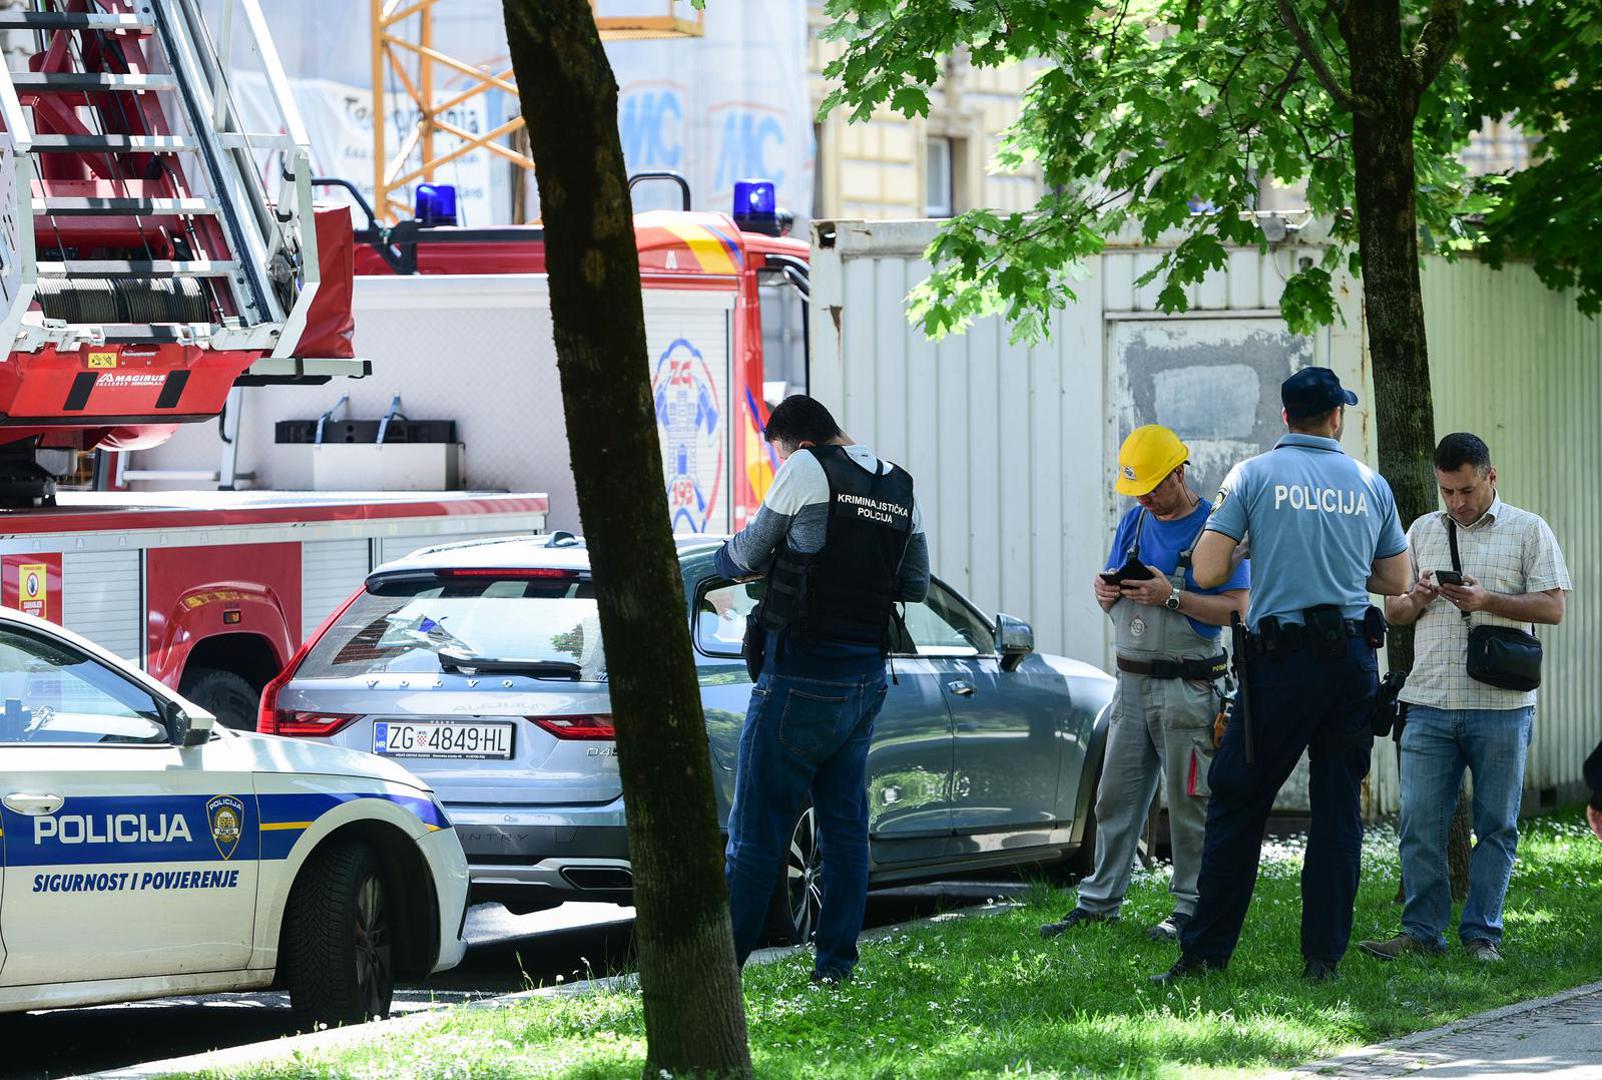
(404, 627)
(50, 693)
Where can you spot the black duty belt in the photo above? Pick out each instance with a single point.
(1294, 637)
(1209, 669)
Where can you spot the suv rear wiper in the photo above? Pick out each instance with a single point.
(462, 663)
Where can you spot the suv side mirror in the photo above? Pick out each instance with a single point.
(1015, 640)
(186, 729)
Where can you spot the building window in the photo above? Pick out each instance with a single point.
(939, 180)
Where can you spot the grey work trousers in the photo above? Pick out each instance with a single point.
(1158, 726)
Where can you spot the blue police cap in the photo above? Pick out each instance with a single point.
(1313, 390)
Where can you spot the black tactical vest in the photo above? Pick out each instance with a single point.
(844, 592)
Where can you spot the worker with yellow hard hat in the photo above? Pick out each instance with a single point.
(1170, 671)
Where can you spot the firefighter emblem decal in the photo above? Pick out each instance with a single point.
(226, 816)
(692, 433)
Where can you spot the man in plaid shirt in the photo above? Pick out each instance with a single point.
(1512, 575)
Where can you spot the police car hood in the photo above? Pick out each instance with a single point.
(274, 753)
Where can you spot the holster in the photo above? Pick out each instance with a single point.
(1326, 630)
(754, 645)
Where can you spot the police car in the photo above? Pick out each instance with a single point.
(147, 851)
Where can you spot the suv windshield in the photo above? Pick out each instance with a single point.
(405, 626)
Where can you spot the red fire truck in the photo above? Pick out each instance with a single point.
(146, 272)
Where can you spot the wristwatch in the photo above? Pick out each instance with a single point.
(1172, 603)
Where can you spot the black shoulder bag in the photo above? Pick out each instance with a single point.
(1501, 656)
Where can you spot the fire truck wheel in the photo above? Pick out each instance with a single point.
(228, 697)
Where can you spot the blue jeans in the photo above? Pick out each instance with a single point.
(804, 736)
(1436, 746)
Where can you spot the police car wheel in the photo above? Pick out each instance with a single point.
(338, 938)
(228, 697)
(798, 894)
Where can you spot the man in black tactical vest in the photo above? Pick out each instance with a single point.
(839, 541)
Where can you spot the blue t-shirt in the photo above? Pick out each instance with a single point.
(1160, 545)
(1317, 521)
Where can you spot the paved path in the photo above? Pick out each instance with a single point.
(1554, 1038)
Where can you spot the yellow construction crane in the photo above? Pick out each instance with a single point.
(403, 45)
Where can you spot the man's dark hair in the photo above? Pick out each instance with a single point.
(1461, 448)
(799, 419)
(1304, 424)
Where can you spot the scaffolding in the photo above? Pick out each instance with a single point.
(403, 46)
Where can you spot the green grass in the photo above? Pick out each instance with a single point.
(982, 997)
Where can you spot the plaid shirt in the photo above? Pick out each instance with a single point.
(1508, 551)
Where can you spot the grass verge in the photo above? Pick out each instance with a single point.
(986, 997)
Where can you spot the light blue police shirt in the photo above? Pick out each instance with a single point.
(1317, 521)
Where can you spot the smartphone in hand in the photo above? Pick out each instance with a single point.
(1132, 570)
(1449, 577)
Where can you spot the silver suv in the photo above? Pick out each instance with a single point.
(480, 666)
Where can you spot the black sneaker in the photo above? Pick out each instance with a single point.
(1183, 968)
(1170, 928)
(1316, 970)
(1074, 918)
(832, 977)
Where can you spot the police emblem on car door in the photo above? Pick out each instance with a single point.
(226, 816)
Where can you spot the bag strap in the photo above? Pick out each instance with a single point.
(1451, 541)
(1457, 564)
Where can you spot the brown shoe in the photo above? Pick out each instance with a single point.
(1484, 951)
(1401, 945)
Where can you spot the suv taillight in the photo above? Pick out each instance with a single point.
(591, 726)
(271, 720)
(305, 724)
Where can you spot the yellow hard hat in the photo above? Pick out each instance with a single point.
(1147, 457)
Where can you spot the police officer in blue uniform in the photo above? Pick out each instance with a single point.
(1323, 534)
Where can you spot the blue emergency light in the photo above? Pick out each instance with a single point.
(436, 204)
(756, 206)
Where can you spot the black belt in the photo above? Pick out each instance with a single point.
(1212, 668)
(1293, 637)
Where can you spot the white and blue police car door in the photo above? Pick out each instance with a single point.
(125, 856)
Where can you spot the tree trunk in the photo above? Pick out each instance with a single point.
(694, 1019)
(1393, 299)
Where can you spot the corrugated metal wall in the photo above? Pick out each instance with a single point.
(1518, 365)
(1012, 446)
(1009, 444)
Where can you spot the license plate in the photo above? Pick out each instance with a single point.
(442, 739)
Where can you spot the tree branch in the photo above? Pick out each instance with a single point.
(1279, 92)
(1436, 40)
(1344, 98)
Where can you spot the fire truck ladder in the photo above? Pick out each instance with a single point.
(132, 202)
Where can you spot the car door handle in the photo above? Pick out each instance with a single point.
(24, 803)
(960, 688)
